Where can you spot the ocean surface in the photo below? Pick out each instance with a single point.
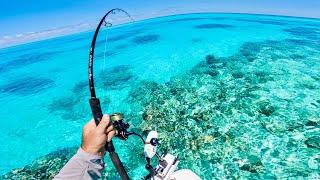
(233, 95)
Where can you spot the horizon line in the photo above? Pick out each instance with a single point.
(141, 20)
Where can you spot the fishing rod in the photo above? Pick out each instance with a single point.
(95, 105)
(167, 164)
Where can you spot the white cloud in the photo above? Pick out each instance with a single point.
(7, 37)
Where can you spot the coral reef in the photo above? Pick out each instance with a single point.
(48, 166)
(251, 115)
(45, 167)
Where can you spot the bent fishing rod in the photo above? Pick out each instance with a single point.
(116, 118)
(167, 163)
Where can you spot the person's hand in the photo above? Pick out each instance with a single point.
(95, 137)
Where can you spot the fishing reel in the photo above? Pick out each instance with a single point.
(117, 120)
(120, 126)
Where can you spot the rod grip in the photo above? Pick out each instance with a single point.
(96, 110)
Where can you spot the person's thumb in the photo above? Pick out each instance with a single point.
(104, 123)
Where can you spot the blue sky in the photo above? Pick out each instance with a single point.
(22, 16)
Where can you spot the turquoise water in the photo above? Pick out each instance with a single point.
(234, 95)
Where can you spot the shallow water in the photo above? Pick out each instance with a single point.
(249, 110)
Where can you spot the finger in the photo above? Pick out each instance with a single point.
(110, 128)
(110, 135)
(103, 124)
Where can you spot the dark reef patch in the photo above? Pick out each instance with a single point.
(108, 53)
(71, 106)
(27, 59)
(264, 21)
(122, 36)
(298, 42)
(80, 87)
(196, 40)
(266, 108)
(187, 19)
(121, 47)
(213, 26)
(313, 142)
(27, 86)
(210, 59)
(316, 25)
(20, 49)
(220, 18)
(118, 37)
(304, 32)
(249, 50)
(117, 77)
(145, 39)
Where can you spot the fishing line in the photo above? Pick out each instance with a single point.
(108, 24)
(104, 52)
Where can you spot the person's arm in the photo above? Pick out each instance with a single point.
(88, 163)
(82, 166)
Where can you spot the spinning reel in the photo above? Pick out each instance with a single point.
(120, 125)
